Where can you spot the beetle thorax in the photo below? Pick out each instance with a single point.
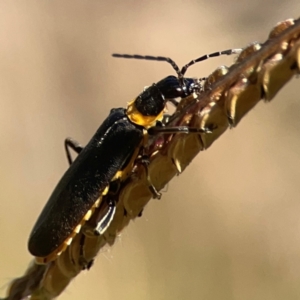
(147, 108)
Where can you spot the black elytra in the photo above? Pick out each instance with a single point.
(114, 147)
(83, 183)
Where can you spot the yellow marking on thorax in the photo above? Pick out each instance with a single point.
(137, 118)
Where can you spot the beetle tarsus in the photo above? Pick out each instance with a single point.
(155, 193)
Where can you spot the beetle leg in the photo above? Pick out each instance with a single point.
(106, 219)
(74, 145)
(153, 190)
(145, 162)
(114, 187)
(178, 129)
(173, 101)
(101, 219)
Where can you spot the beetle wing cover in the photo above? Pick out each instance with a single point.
(83, 183)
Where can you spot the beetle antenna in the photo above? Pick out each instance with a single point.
(207, 56)
(154, 58)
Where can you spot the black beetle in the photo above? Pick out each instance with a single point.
(108, 157)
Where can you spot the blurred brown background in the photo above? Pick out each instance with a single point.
(229, 226)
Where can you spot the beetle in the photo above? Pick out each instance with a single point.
(108, 158)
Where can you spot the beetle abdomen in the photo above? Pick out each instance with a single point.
(84, 182)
